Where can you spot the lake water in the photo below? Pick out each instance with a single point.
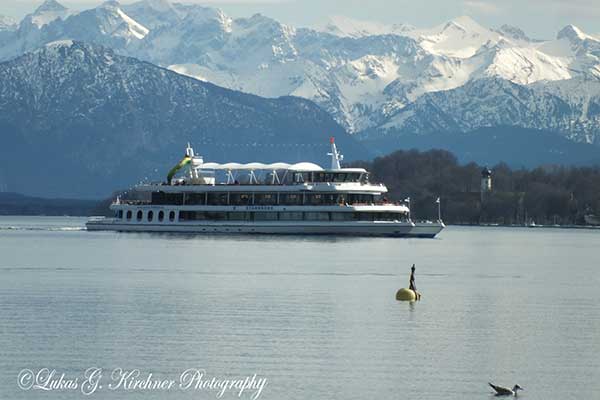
(315, 316)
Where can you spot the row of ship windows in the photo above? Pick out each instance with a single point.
(139, 216)
(315, 177)
(262, 216)
(238, 199)
(287, 216)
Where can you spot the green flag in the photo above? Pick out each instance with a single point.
(186, 160)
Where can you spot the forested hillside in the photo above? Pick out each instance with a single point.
(544, 195)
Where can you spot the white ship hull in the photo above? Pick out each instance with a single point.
(279, 198)
(399, 229)
(426, 229)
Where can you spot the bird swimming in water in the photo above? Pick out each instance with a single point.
(502, 391)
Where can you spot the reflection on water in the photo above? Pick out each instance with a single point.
(316, 316)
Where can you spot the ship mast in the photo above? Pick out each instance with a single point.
(189, 151)
(336, 156)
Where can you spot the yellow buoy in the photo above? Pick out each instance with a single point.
(407, 295)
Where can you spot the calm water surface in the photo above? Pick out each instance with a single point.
(315, 316)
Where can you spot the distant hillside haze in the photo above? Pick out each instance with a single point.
(17, 204)
(78, 120)
(517, 147)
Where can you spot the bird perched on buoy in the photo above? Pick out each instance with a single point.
(411, 293)
(502, 391)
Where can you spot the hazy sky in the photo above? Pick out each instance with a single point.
(538, 18)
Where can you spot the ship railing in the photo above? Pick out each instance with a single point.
(344, 204)
(259, 183)
(133, 202)
(374, 203)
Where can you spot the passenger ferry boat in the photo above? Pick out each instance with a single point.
(277, 198)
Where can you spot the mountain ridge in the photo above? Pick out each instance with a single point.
(373, 79)
(101, 121)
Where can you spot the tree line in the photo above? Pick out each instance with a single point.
(544, 195)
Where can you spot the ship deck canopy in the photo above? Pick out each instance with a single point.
(256, 166)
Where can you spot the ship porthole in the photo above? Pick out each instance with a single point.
(140, 215)
(150, 216)
(129, 214)
(161, 216)
(172, 216)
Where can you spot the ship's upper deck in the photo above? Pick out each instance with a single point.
(284, 175)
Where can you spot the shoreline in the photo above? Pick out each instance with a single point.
(590, 227)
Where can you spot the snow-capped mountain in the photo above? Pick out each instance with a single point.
(106, 24)
(339, 25)
(47, 12)
(368, 76)
(97, 120)
(7, 23)
(363, 74)
(499, 102)
(154, 14)
(514, 32)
